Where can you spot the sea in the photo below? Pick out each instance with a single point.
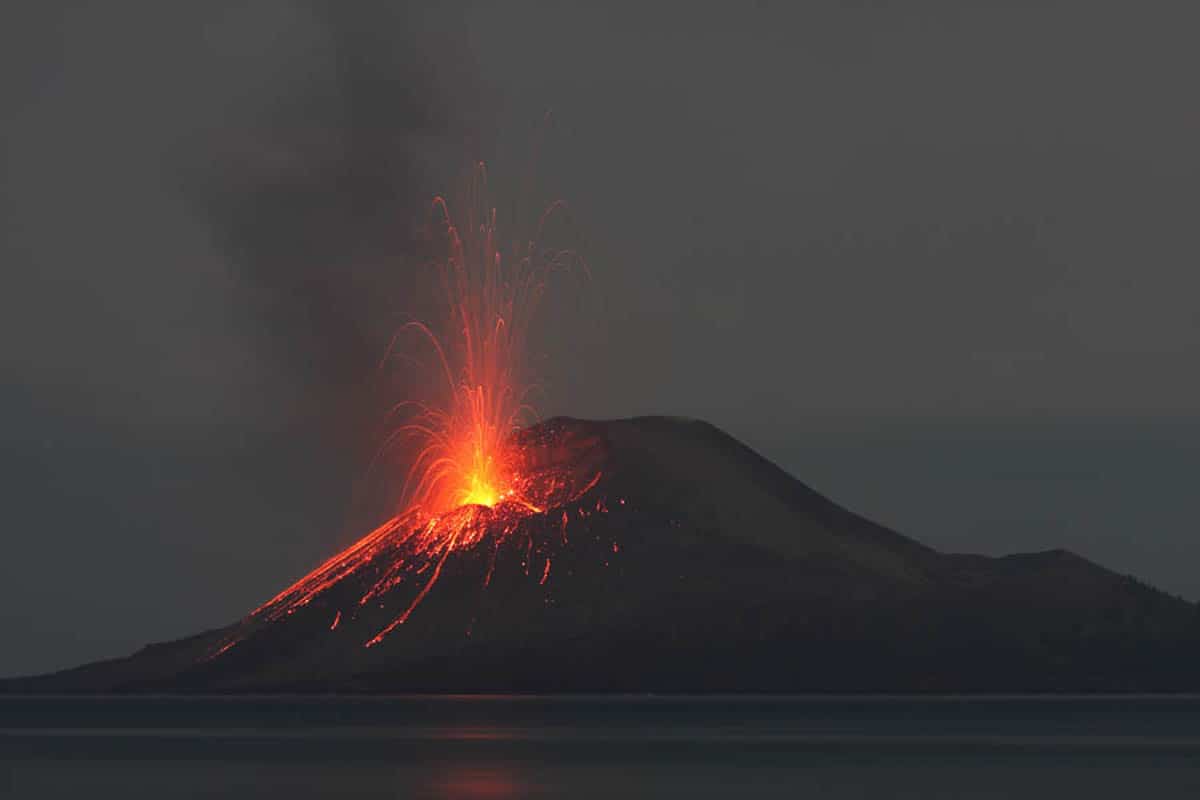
(600, 747)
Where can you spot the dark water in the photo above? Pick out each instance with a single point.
(490, 747)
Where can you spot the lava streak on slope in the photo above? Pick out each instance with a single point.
(559, 467)
(476, 472)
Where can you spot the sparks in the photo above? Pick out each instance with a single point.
(472, 474)
(462, 444)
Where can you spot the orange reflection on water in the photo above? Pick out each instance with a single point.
(479, 782)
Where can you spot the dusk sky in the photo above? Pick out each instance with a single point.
(938, 260)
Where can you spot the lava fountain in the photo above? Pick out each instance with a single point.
(474, 476)
(465, 455)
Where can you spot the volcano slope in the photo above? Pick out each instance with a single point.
(691, 564)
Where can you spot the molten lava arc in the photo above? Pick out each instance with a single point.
(474, 472)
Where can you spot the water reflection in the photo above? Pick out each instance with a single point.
(479, 783)
(598, 747)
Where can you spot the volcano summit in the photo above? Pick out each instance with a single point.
(660, 554)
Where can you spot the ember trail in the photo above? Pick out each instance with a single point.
(475, 475)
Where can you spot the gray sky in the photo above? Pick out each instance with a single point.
(938, 259)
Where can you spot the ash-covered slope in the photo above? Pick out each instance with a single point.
(692, 564)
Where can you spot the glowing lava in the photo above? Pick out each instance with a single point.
(474, 475)
(464, 455)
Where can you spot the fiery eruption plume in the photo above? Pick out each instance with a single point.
(474, 476)
(465, 456)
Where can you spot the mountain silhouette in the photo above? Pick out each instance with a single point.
(687, 563)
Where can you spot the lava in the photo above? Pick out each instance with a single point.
(464, 455)
(476, 472)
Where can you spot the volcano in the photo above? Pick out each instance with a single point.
(662, 555)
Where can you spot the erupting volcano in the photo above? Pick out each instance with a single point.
(473, 479)
(647, 554)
